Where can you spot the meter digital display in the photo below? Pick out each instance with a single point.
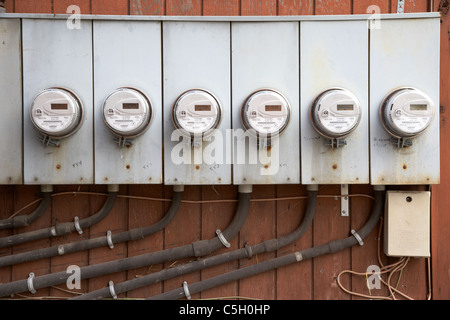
(56, 113)
(267, 112)
(335, 113)
(196, 112)
(406, 112)
(127, 112)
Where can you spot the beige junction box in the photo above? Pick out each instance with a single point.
(407, 224)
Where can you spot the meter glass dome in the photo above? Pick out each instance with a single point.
(127, 112)
(335, 113)
(406, 112)
(56, 113)
(196, 112)
(267, 112)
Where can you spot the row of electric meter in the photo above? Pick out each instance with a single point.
(405, 113)
(210, 101)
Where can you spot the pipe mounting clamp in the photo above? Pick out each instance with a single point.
(76, 222)
(358, 237)
(109, 239)
(222, 238)
(30, 283)
(186, 290)
(111, 290)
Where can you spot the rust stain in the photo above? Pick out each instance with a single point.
(197, 167)
(58, 167)
(128, 167)
(334, 166)
(405, 166)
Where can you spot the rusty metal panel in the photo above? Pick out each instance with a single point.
(334, 54)
(265, 55)
(404, 52)
(196, 55)
(55, 55)
(10, 102)
(128, 54)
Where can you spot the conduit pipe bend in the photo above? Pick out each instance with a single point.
(66, 227)
(134, 234)
(247, 252)
(26, 220)
(196, 249)
(330, 247)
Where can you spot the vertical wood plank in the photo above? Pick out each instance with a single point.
(184, 229)
(116, 221)
(440, 237)
(26, 6)
(260, 226)
(7, 209)
(61, 6)
(221, 8)
(258, 7)
(294, 282)
(332, 7)
(365, 6)
(143, 213)
(9, 6)
(218, 216)
(64, 209)
(184, 7)
(113, 7)
(295, 7)
(23, 196)
(411, 6)
(330, 225)
(147, 7)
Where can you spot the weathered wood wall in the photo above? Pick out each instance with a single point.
(313, 279)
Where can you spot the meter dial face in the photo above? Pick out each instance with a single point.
(267, 112)
(56, 112)
(407, 112)
(335, 113)
(196, 112)
(127, 112)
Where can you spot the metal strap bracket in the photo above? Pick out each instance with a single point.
(77, 225)
(109, 239)
(400, 6)
(30, 283)
(357, 237)
(186, 290)
(222, 238)
(111, 290)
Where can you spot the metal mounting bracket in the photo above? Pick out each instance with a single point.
(400, 6)
(344, 200)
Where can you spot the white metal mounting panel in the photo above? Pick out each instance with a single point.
(334, 54)
(196, 55)
(54, 55)
(404, 53)
(266, 56)
(128, 54)
(10, 102)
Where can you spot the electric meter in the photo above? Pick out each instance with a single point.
(196, 113)
(335, 113)
(267, 112)
(56, 113)
(127, 112)
(406, 112)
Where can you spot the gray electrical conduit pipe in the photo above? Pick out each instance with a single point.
(26, 220)
(108, 240)
(196, 249)
(330, 247)
(66, 227)
(247, 252)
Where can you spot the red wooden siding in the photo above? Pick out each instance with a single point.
(312, 279)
